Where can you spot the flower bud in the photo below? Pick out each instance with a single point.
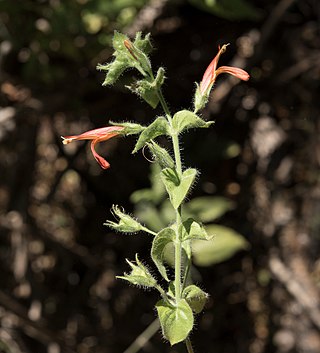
(126, 224)
(139, 276)
(161, 155)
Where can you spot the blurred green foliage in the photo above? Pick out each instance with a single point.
(229, 9)
(43, 38)
(224, 244)
(154, 209)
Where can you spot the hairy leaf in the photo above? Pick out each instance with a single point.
(160, 241)
(178, 188)
(185, 119)
(190, 229)
(195, 297)
(157, 128)
(176, 321)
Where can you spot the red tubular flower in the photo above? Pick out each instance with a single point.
(212, 72)
(97, 136)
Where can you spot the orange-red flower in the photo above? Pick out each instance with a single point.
(212, 72)
(97, 136)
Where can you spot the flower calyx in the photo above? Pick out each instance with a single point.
(209, 78)
(125, 223)
(139, 275)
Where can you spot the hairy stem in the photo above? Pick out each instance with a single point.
(148, 231)
(186, 274)
(162, 293)
(177, 258)
(177, 243)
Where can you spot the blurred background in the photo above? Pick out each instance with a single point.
(259, 184)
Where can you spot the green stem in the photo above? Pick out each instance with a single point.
(177, 243)
(164, 105)
(145, 229)
(176, 150)
(162, 293)
(189, 345)
(177, 258)
(186, 275)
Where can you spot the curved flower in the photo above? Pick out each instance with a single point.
(212, 72)
(97, 136)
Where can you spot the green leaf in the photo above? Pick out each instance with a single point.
(195, 297)
(158, 127)
(225, 244)
(119, 64)
(144, 44)
(176, 188)
(132, 53)
(114, 70)
(176, 321)
(145, 90)
(185, 119)
(117, 42)
(137, 58)
(190, 229)
(160, 241)
(158, 81)
(208, 208)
